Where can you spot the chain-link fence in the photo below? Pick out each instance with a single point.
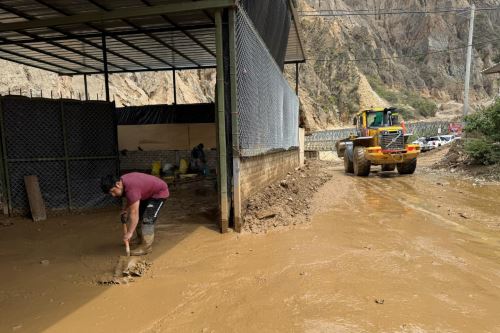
(326, 140)
(268, 108)
(69, 145)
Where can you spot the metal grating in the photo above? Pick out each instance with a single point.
(40, 121)
(268, 108)
(326, 140)
(68, 144)
(392, 141)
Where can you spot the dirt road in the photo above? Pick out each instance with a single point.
(387, 253)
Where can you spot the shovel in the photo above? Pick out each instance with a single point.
(127, 267)
(127, 245)
(126, 263)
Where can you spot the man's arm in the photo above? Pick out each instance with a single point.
(133, 217)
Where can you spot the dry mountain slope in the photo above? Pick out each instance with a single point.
(336, 82)
(332, 85)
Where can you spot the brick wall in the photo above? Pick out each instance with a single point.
(142, 160)
(260, 171)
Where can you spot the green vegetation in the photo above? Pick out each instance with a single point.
(424, 107)
(496, 59)
(484, 127)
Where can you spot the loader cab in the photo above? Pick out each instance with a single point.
(386, 117)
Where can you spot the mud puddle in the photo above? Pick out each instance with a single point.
(384, 253)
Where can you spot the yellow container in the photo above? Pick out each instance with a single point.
(155, 168)
(183, 166)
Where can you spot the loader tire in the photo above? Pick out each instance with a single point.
(348, 166)
(361, 164)
(388, 167)
(407, 168)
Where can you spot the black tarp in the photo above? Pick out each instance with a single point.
(272, 19)
(68, 144)
(166, 114)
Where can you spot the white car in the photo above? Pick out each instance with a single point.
(441, 140)
(449, 138)
(424, 145)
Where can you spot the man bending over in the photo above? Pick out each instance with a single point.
(145, 196)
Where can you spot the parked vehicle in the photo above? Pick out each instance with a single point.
(424, 145)
(449, 138)
(435, 141)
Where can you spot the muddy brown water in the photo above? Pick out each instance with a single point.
(387, 253)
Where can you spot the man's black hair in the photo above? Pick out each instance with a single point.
(108, 182)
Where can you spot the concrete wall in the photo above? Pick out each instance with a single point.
(166, 136)
(258, 172)
(142, 160)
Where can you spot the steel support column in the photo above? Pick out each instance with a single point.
(6, 181)
(86, 87)
(105, 61)
(221, 127)
(297, 78)
(175, 87)
(235, 124)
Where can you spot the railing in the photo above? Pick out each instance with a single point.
(326, 140)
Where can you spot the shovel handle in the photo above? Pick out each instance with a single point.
(127, 245)
(127, 248)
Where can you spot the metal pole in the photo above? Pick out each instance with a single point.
(221, 125)
(297, 78)
(86, 87)
(6, 180)
(469, 60)
(235, 124)
(105, 61)
(66, 155)
(175, 87)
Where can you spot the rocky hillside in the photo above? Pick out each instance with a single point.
(193, 86)
(351, 65)
(352, 59)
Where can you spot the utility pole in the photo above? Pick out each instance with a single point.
(469, 59)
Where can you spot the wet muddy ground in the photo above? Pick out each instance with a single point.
(387, 253)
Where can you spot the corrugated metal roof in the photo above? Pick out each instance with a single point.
(66, 36)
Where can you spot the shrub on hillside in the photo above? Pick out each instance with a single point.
(423, 106)
(484, 126)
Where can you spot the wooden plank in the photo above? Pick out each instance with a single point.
(37, 205)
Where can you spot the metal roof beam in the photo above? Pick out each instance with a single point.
(29, 17)
(50, 54)
(56, 9)
(70, 36)
(95, 3)
(41, 61)
(117, 14)
(35, 66)
(296, 24)
(190, 36)
(164, 69)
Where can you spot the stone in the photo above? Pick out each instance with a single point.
(266, 214)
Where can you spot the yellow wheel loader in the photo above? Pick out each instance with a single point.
(380, 138)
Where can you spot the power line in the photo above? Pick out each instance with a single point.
(334, 13)
(448, 50)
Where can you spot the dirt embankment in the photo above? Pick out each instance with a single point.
(453, 160)
(286, 202)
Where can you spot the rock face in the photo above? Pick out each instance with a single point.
(347, 57)
(193, 86)
(340, 84)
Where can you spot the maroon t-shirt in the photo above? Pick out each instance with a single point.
(140, 186)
